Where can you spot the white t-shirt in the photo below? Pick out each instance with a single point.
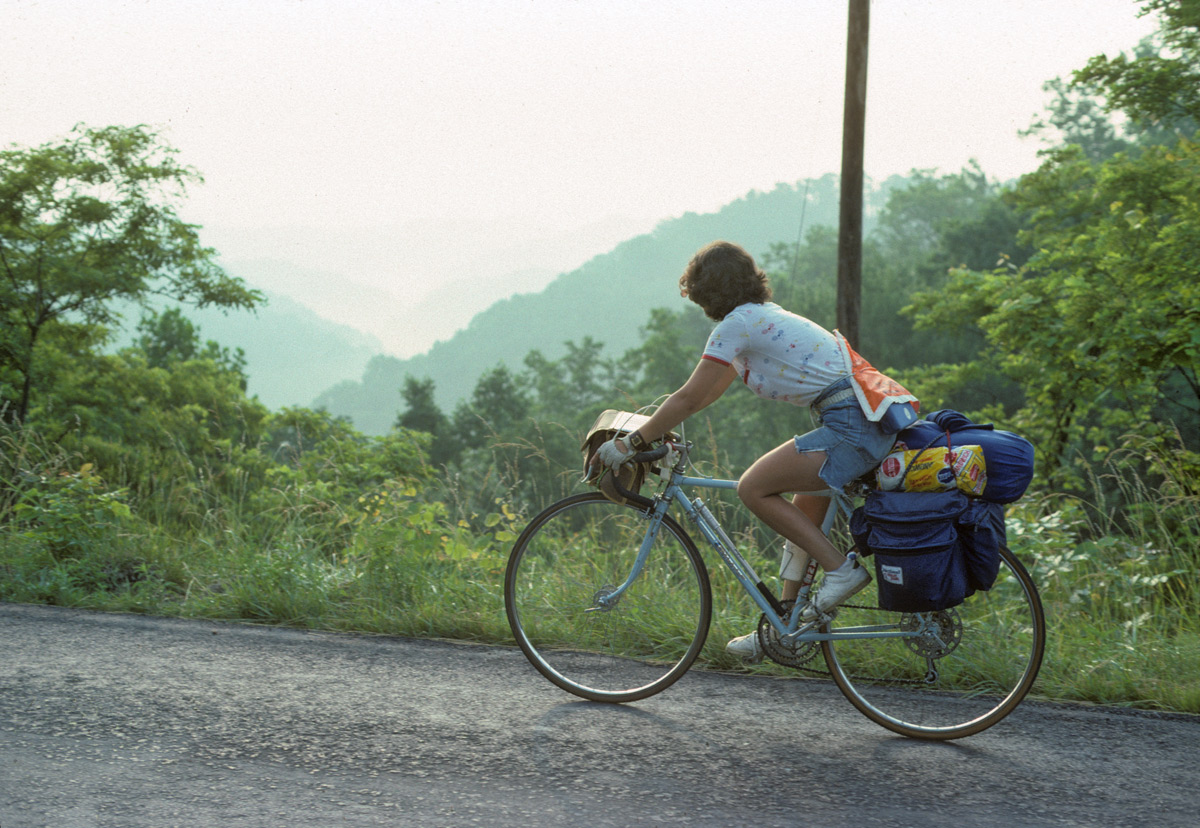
(778, 354)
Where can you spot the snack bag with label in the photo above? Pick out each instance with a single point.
(934, 470)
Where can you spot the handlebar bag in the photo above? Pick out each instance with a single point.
(920, 559)
(612, 423)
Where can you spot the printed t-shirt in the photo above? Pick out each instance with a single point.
(778, 354)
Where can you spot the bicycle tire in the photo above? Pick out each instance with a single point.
(566, 560)
(986, 654)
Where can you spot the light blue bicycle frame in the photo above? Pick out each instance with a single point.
(790, 629)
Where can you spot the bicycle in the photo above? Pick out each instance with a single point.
(612, 602)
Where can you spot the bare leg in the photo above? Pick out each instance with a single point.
(785, 470)
(814, 508)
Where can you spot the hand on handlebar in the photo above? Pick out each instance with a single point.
(615, 453)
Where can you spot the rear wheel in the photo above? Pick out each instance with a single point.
(566, 613)
(955, 672)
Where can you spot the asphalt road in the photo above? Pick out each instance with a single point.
(131, 722)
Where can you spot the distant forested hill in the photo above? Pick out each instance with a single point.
(292, 353)
(608, 298)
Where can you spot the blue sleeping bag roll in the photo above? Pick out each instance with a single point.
(1008, 456)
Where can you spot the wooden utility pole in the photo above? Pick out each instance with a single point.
(850, 221)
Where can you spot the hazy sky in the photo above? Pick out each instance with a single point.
(406, 143)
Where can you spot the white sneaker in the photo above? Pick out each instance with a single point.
(746, 647)
(837, 586)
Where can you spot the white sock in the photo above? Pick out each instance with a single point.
(793, 563)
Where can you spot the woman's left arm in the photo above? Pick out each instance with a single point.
(705, 386)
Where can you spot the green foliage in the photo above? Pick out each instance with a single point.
(315, 446)
(1160, 86)
(313, 478)
(85, 222)
(72, 539)
(1105, 312)
(1099, 327)
(934, 224)
(496, 406)
(422, 414)
(170, 337)
(1078, 116)
(153, 427)
(71, 513)
(1121, 585)
(671, 343)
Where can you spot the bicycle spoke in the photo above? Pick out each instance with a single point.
(568, 612)
(956, 672)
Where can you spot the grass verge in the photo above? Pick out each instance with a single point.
(1120, 595)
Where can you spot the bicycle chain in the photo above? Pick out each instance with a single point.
(814, 671)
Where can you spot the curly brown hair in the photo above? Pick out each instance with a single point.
(722, 276)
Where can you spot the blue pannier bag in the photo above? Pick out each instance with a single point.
(981, 532)
(1008, 457)
(921, 563)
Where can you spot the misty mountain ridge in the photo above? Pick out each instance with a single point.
(608, 298)
(390, 279)
(292, 352)
(391, 322)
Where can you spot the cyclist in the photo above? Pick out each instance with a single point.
(781, 356)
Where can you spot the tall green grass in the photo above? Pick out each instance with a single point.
(1120, 586)
(1120, 579)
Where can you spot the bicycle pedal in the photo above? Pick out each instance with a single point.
(812, 617)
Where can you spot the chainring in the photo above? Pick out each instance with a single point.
(793, 655)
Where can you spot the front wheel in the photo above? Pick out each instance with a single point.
(574, 622)
(941, 675)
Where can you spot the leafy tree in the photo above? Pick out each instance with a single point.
(422, 414)
(934, 224)
(498, 406)
(319, 448)
(83, 222)
(1157, 87)
(1101, 325)
(566, 396)
(1078, 115)
(569, 392)
(169, 337)
(156, 429)
(588, 379)
(804, 279)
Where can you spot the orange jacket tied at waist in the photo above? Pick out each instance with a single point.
(875, 391)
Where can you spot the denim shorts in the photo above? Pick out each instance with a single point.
(853, 445)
